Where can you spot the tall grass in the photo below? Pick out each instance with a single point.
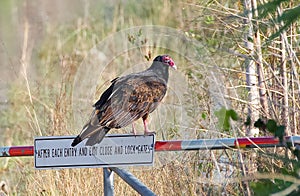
(51, 96)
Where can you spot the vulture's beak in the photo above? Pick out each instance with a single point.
(174, 67)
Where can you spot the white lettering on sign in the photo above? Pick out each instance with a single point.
(114, 150)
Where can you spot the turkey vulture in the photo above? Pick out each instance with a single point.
(127, 99)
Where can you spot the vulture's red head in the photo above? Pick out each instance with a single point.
(167, 60)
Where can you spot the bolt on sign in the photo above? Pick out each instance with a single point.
(113, 151)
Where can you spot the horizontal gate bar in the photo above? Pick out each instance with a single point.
(15, 151)
(223, 143)
(180, 145)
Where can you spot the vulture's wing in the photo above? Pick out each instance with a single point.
(131, 98)
(106, 95)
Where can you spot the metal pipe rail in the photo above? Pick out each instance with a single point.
(181, 145)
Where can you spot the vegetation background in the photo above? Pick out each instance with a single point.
(240, 55)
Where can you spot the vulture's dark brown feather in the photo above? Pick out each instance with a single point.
(127, 99)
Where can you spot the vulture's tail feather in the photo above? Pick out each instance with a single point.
(97, 137)
(76, 141)
(95, 134)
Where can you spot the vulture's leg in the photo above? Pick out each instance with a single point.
(133, 128)
(146, 130)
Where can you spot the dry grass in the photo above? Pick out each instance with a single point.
(58, 82)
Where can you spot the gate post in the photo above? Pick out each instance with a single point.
(108, 182)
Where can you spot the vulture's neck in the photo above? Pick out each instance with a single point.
(160, 69)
